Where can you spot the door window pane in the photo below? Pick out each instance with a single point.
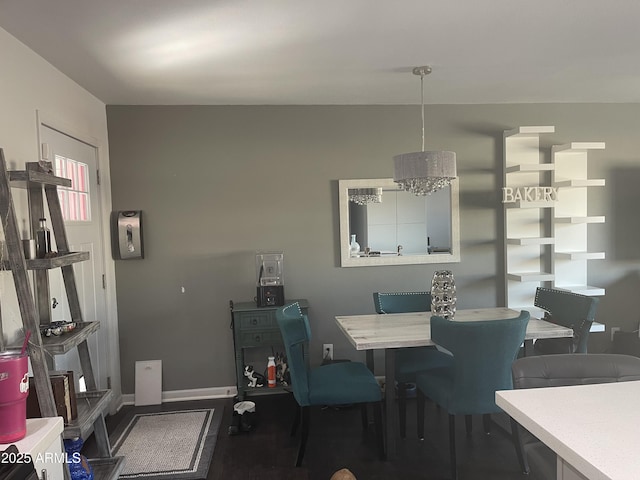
(74, 200)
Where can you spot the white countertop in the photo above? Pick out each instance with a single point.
(595, 428)
(41, 432)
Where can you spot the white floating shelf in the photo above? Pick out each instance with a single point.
(531, 167)
(531, 277)
(583, 290)
(529, 131)
(594, 182)
(531, 241)
(575, 220)
(581, 255)
(520, 204)
(579, 146)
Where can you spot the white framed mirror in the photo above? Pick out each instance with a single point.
(401, 228)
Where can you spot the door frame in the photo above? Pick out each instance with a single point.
(108, 267)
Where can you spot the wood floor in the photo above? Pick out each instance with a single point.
(337, 441)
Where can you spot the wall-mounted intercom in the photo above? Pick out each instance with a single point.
(127, 234)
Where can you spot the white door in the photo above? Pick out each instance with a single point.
(77, 160)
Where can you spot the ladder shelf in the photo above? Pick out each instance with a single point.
(35, 308)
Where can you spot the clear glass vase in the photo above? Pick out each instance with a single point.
(443, 294)
(354, 247)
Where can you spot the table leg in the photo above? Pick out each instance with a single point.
(369, 360)
(528, 348)
(391, 419)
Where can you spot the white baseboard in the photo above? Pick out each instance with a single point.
(184, 395)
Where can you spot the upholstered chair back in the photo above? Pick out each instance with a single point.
(401, 302)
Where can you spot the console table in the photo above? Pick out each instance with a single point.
(256, 327)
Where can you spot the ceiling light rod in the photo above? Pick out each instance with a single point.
(422, 71)
(422, 173)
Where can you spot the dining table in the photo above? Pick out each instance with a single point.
(392, 331)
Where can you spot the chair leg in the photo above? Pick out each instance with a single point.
(363, 416)
(377, 420)
(486, 422)
(296, 422)
(420, 413)
(402, 408)
(304, 435)
(468, 424)
(519, 446)
(452, 446)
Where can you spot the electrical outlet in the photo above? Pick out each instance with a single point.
(613, 332)
(327, 351)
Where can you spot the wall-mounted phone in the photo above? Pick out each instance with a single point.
(127, 235)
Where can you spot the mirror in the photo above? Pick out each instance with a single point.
(402, 229)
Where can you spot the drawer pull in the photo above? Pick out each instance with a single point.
(258, 338)
(254, 321)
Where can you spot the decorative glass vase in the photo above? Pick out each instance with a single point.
(443, 294)
(79, 467)
(354, 247)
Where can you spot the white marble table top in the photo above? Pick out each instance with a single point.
(594, 428)
(398, 330)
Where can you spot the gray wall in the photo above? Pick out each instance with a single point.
(218, 183)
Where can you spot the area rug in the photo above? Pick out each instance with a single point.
(174, 445)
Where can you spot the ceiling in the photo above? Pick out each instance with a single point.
(299, 52)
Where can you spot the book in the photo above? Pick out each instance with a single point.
(72, 390)
(63, 387)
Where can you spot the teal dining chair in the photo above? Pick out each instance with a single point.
(483, 353)
(333, 384)
(409, 361)
(568, 309)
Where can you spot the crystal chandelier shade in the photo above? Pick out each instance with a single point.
(424, 172)
(364, 196)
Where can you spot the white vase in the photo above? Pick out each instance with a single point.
(443, 294)
(354, 247)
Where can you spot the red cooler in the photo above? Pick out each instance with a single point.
(14, 390)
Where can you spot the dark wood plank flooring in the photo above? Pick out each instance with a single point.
(337, 441)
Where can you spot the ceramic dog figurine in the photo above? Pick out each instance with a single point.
(282, 371)
(255, 379)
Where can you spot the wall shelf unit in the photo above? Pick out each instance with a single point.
(546, 242)
(528, 238)
(34, 305)
(572, 218)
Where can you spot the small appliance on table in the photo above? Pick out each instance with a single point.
(270, 279)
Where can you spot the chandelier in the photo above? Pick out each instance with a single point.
(364, 196)
(423, 172)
